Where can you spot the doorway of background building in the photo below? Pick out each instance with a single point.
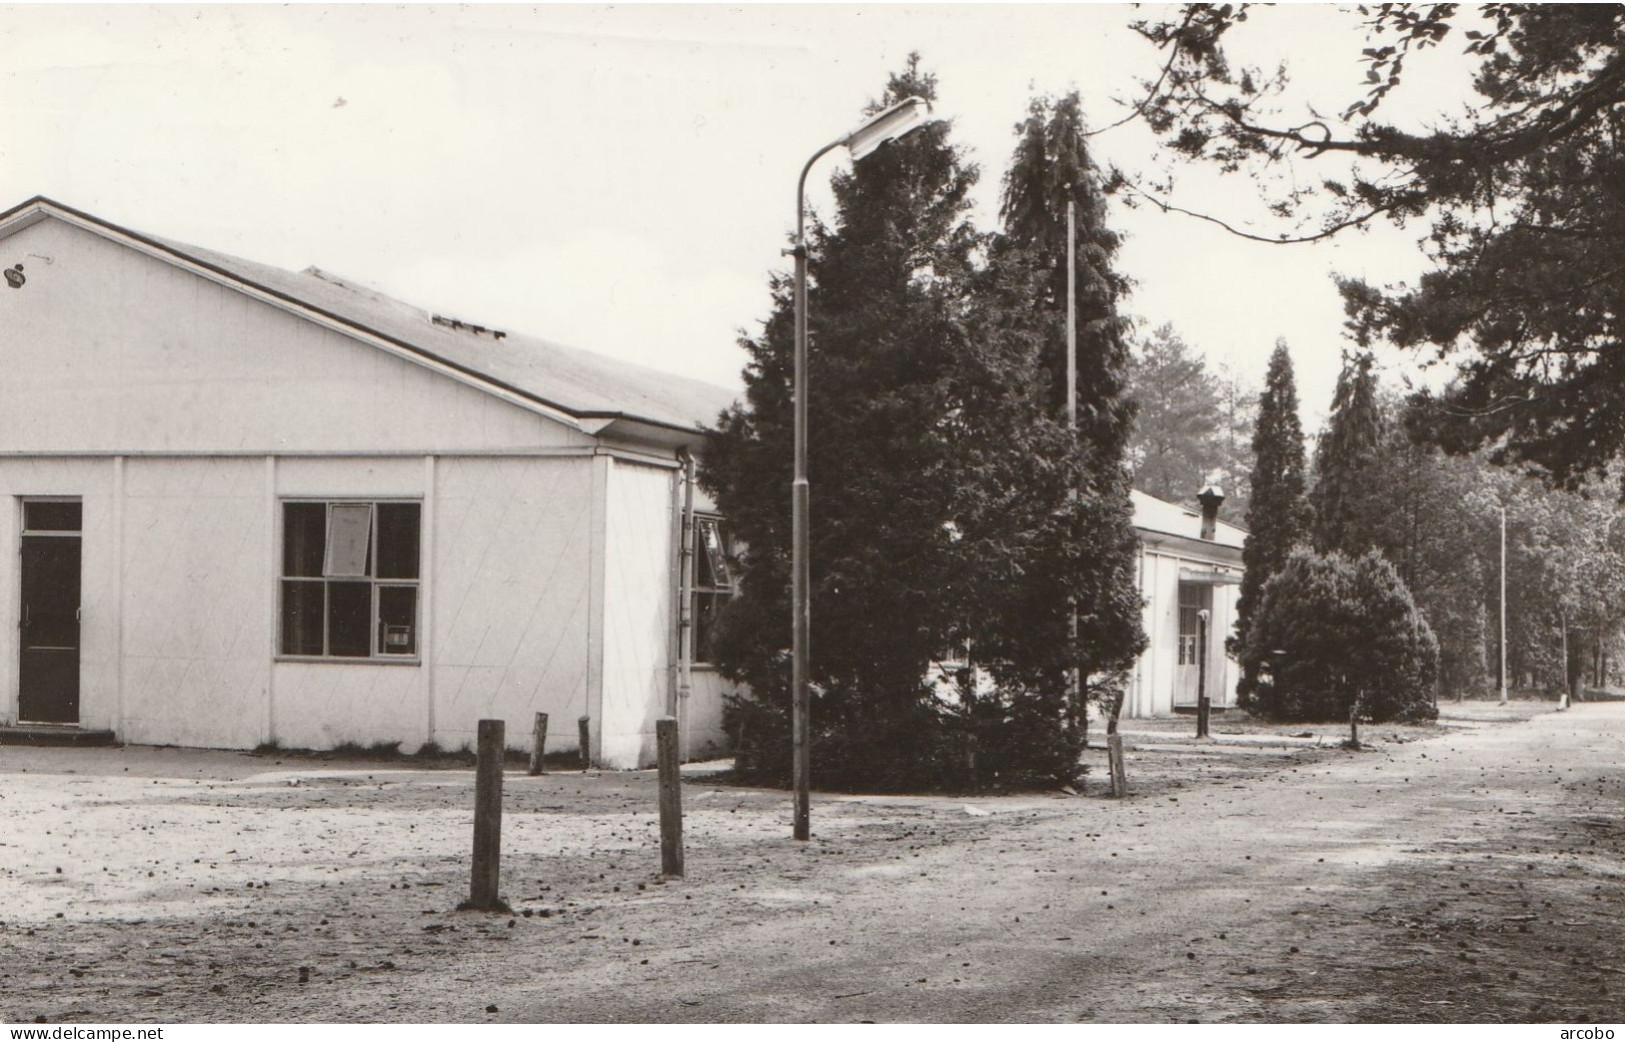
(48, 666)
(1193, 598)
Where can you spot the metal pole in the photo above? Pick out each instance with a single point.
(1071, 319)
(862, 142)
(1563, 620)
(800, 590)
(1075, 707)
(1203, 706)
(1503, 605)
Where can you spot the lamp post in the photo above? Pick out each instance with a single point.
(1503, 606)
(880, 128)
(1203, 705)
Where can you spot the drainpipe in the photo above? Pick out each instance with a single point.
(685, 587)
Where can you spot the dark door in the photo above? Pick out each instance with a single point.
(48, 671)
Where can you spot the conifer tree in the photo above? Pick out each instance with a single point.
(1277, 518)
(890, 282)
(1346, 640)
(1177, 417)
(1091, 553)
(1050, 168)
(1347, 508)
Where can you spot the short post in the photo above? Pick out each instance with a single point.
(1114, 760)
(584, 725)
(487, 818)
(1203, 706)
(538, 743)
(671, 797)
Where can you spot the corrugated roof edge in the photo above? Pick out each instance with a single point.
(179, 250)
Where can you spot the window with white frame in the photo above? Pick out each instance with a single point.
(349, 586)
(713, 583)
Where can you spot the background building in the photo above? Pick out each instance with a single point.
(261, 506)
(1189, 562)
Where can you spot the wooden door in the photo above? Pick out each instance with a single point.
(48, 666)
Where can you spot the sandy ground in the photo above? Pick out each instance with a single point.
(1466, 873)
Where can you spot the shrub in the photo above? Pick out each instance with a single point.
(1005, 736)
(1336, 635)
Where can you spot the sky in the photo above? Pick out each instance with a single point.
(622, 178)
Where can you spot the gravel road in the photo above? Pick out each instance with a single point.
(1477, 875)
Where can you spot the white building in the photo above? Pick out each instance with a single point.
(1189, 562)
(258, 506)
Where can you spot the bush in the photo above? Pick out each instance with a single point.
(1333, 634)
(1005, 737)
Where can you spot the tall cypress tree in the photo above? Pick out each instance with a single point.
(1277, 517)
(1050, 168)
(1087, 548)
(890, 281)
(1346, 506)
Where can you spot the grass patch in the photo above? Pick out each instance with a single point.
(429, 754)
(375, 751)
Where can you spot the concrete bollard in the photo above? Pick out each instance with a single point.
(538, 743)
(671, 797)
(483, 895)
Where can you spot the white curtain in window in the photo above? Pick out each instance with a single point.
(348, 526)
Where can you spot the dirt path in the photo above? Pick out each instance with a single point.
(1475, 876)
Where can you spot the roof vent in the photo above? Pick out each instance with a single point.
(457, 323)
(1210, 498)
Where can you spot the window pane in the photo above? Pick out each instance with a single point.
(51, 517)
(349, 536)
(707, 606)
(304, 540)
(303, 608)
(349, 619)
(397, 620)
(397, 540)
(715, 554)
(704, 578)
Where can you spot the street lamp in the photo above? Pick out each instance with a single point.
(880, 128)
(1503, 607)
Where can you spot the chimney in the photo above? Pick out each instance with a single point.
(1210, 498)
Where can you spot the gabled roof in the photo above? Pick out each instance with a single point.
(1160, 517)
(586, 387)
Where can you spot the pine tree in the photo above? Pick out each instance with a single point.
(1277, 518)
(1518, 193)
(1177, 417)
(1192, 425)
(1346, 504)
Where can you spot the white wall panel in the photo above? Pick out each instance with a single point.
(511, 596)
(371, 477)
(637, 610)
(110, 350)
(323, 704)
(703, 736)
(196, 586)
